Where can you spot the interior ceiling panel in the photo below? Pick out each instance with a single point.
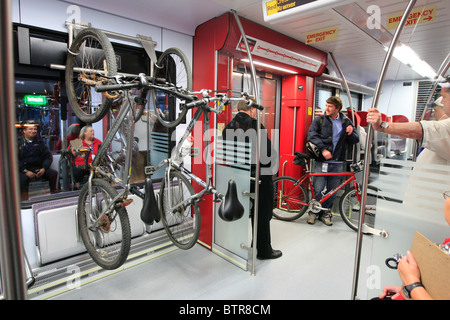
(357, 50)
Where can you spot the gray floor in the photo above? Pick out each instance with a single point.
(317, 263)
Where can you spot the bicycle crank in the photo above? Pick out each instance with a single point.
(315, 206)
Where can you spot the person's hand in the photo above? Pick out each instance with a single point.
(326, 154)
(374, 118)
(349, 130)
(30, 174)
(393, 292)
(408, 269)
(40, 173)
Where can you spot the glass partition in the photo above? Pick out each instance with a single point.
(232, 238)
(409, 167)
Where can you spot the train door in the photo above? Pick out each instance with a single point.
(269, 91)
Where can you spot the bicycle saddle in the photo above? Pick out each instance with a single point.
(231, 209)
(300, 158)
(150, 210)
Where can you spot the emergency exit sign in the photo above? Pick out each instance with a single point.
(322, 35)
(415, 17)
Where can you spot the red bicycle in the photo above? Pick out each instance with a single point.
(293, 197)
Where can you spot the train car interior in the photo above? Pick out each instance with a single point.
(290, 56)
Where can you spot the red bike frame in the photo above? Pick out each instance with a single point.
(308, 176)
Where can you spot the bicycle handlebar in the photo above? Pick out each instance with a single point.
(147, 82)
(222, 98)
(144, 82)
(119, 86)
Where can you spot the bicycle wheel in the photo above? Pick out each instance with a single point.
(182, 223)
(172, 66)
(349, 206)
(290, 199)
(90, 56)
(108, 243)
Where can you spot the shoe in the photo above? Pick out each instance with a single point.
(326, 219)
(312, 218)
(273, 255)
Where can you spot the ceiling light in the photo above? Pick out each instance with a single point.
(270, 66)
(409, 57)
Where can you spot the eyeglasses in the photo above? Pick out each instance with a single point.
(446, 194)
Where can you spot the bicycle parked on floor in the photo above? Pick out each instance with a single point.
(292, 196)
(102, 217)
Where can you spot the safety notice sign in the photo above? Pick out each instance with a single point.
(277, 6)
(420, 16)
(322, 35)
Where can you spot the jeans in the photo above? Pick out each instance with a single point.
(319, 183)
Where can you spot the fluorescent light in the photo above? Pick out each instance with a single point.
(270, 66)
(332, 82)
(409, 57)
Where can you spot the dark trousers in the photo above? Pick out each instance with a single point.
(265, 205)
(330, 183)
(49, 175)
(80, 174)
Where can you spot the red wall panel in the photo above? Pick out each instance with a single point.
(222, 33)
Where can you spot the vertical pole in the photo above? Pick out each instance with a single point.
(345, 85)
(11, 248)
(258, 143)
(376, 98)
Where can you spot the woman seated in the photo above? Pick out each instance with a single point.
(81, 158)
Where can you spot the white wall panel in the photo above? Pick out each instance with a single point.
(52, 14)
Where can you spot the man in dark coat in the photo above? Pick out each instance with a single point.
(332, 133)
(245, 120)
(34, 161)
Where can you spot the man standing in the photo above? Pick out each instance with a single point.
(331, 134)
(34, 161)
(244, 125)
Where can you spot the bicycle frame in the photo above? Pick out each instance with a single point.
(127, 110)
(307, 178)
(206, 185)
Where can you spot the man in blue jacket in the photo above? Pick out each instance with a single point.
(34, 161)
(332, 133)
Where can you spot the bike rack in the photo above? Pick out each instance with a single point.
(147, 42)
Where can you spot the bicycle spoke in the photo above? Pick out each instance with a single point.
(180, 218)
(290, 200)
(104, 228)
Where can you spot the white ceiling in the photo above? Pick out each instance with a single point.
(359, 56)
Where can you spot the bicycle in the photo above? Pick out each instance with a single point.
(102, 217)
(292, 200)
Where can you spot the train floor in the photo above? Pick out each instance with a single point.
(317, 264)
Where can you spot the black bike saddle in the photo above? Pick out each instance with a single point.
(231, 209)
(150, 210)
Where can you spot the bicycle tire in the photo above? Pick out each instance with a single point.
(91, 53)
(287, 195)
(349, 207)
(109, 244)
(183, 225)
(174, 67)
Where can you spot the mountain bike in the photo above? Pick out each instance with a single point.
(292, 198)
(178, 202)
(102, 218)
